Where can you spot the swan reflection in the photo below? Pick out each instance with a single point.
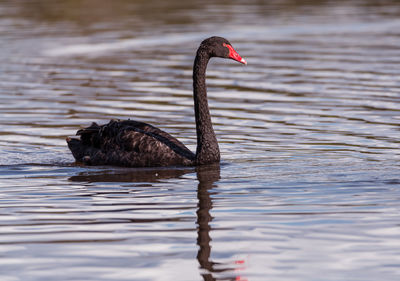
(208, 176)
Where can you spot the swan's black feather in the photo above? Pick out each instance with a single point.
(129, 143)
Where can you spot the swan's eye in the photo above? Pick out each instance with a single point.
(233, 54)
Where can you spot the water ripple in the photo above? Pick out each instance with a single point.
(308, 132)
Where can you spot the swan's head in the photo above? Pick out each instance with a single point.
(220, 47)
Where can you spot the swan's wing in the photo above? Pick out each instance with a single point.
(130, 143)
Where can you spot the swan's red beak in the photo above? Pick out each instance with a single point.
(234, 55)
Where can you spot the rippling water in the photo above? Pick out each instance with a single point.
(309, 132)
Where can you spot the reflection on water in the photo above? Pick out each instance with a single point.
(207, 176)
(131, 175)
(308, 131)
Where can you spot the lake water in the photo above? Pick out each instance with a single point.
(309, 132)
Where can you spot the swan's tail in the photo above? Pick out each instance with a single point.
(77, 148)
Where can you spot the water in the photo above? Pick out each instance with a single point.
(308, 187)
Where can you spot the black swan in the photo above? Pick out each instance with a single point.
(136, 144)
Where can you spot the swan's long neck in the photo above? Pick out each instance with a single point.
(207, 145)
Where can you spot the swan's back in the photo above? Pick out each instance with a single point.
(128, 143)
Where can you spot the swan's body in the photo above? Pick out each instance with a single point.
(137, 144)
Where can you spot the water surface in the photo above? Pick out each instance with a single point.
(308, 186)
